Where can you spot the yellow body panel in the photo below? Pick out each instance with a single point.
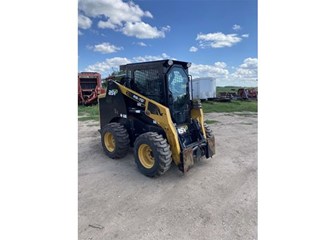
(198, 115)
(163, 120)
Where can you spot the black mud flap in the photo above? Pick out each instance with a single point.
(188, 159)
(210, 147)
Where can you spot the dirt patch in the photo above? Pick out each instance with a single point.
(216, 199)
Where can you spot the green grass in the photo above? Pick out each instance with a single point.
(92, 112)
(209, 121)
(88, 113)
(233, 106)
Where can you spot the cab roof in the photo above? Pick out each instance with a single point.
(158, 63)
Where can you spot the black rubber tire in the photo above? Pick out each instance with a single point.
(208, 130)
(121, 140)
(160, 150)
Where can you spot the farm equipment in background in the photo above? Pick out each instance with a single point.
(243, 93)
(225, 97)
(246, 94)
(89, 87)
(229, 93)
(253, 93)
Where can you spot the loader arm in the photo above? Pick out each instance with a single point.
(198, 114)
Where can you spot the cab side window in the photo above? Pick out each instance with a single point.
(148, 83)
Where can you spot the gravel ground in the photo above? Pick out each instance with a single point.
(216, 199)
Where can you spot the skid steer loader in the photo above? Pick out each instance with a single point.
(151, 109)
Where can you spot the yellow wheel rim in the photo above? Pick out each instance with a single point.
(146, 156)
(109, 141)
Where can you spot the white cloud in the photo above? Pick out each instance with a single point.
(166, 28)
(220, 64)
(236, 27)
(248, 70)
(218, 70)
(244, 75)
(151, 58)
(193, 49)
(84, 22)
(245, 35)
(164, 55)
(121, 16)
(116, 11)
(105, 48)
(142, 44)
(143, 30)
(217, 40)
(80, 33)
(250, 63)
(108, 65)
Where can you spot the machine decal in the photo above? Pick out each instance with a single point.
(182, 129)
(135, 97)
(113, 92)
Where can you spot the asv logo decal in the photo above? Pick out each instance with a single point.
(182, 129)
(113, 92)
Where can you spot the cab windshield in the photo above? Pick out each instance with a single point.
(178, 93)
(178, 81)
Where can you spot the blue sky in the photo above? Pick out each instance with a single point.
(218, 37)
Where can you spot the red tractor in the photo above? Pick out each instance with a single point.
(89, 87)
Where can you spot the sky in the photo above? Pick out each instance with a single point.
(219, 37)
